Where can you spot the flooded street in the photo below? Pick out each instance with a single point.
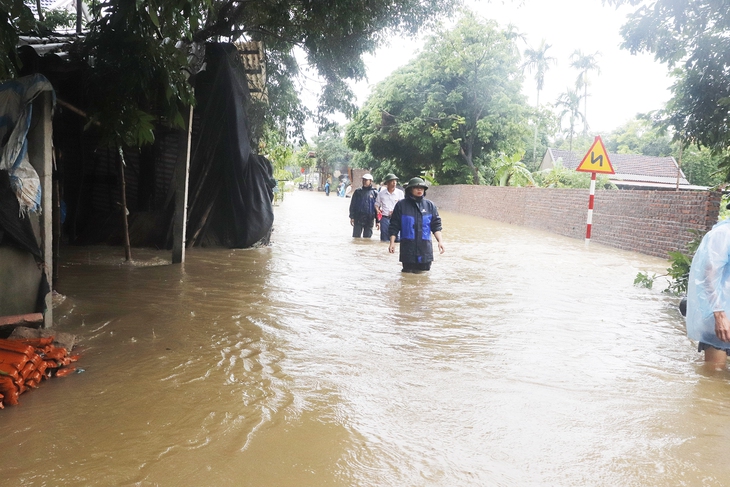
(522, 359)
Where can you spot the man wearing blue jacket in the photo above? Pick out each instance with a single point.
(416, 218)
(362, 208)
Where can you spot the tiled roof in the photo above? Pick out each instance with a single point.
(629, 167)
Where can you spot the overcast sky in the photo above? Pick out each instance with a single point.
(627, 84)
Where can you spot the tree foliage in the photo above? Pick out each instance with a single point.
(452, 110)
(539, 61)
(139, 52)
(511, 171)
(278, 150)
(701, 166)
(15, 18)
(331, 152)
(584, 63)
(639, 136)
(137, 71)
(642, 136)
(569, 105)
(692, 36)
(56, 18)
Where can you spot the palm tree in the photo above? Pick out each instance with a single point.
(584, 63)
(538, 60)
(570, 103)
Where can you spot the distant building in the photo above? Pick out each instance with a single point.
(633, 171)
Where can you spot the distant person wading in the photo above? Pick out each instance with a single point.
(385, 204)
(362, 209)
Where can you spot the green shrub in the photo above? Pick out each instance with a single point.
(678, 271)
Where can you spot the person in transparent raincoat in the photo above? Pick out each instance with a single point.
(708, 294)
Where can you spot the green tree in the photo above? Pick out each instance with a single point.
(57, 18)
(693, 38)
(539, 61)
(701, 166)
(569, 104)
(639, 136)
(452, 110)
(15, 17)
(280, 152)
(584, 63)
(642, 136)
(302, 158)
(141, 52)
(331, 152)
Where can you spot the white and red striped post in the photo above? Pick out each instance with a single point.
(589, 220)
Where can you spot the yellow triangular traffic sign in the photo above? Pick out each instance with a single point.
(596, 160)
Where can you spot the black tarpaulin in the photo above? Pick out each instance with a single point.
(231, 188)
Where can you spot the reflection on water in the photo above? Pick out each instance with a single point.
(522, 358)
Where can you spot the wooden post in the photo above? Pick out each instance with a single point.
(125, 220)
(56, 230)
(40, 146)
(79, 14)
(182, 175)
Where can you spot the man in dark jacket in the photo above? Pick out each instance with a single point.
(362, 208)
(416, 218)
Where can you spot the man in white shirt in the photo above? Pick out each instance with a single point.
(385, 202)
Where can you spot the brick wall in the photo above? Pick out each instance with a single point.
(650, 222)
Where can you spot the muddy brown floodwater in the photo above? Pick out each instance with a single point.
(522, 359)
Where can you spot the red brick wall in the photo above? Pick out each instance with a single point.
(650, 222)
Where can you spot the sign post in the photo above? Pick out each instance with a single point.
(595, 161)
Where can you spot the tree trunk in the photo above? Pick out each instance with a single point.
(40, 11)
(572, 125)
(585, 103)
(537, 123)
(468, 157)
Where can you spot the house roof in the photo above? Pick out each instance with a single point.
(634, 169)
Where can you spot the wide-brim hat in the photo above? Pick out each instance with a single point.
(390, 177)
(417, 183)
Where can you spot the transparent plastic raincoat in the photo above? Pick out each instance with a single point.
(708, 289)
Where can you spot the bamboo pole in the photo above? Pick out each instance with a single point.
(182, 186)
(125, 221)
